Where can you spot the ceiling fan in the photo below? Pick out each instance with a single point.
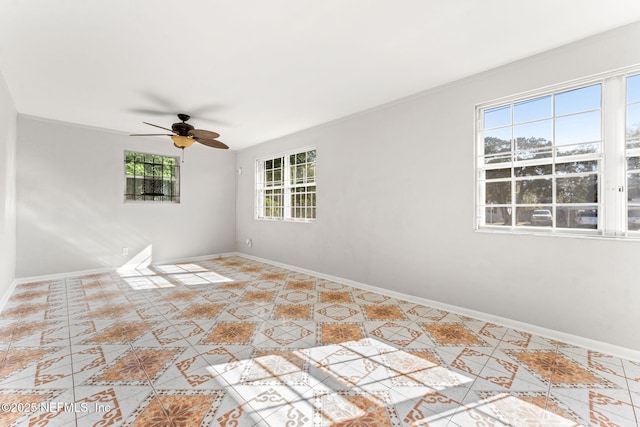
(184, 135)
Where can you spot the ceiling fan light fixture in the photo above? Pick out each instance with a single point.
(182, 141)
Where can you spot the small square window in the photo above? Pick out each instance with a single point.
(151, 177)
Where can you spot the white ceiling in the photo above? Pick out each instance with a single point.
(254, 70)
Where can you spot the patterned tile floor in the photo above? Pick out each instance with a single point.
(235, 342)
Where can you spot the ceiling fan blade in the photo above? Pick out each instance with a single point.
(152, 134)
(159, 100)
(150, 111)
(151, 124)
(200, 133)
(212, 143)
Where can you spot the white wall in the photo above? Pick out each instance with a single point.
(8, 117)
(71, 213)
(395, 196)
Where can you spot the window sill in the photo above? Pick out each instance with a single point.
(576, 234)
(155, 202)
(304, 221)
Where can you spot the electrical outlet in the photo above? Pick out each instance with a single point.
(249, 242)
(125, 251)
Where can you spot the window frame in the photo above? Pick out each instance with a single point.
(611, 172)
(175, 179)
(285, 189)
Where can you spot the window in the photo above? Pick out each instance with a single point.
(286, 187)
(632, 139)
(542, 160)
(151, 177)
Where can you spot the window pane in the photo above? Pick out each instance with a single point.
(498, 215)
(633, 218)
(533, 135)
(498, 158)
(633, 163)
(581, 189)
(498, 173)
(587, 218)
(273, 203)
(130, 192)
(300, 174)
(535, 109)
(497, 117)
(577, 167)
(540, 153)
(533, 140)
(633, 187)
(575, 149)
(533, 191)
(311, 156)
(534, 216)
(153, 187)
(583, 127)
(633, 126)
(498, 193)
(139, 187)
(497, 141)
(536, 170)
(633, 89)
(577, 217)
(574, 101)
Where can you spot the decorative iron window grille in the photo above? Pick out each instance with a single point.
(151, 177)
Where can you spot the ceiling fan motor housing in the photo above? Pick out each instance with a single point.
(182, 129)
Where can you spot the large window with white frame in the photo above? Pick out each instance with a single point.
(563, 160)
(632, 145)
(286, 186)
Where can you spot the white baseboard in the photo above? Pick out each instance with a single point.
(576, 340)
(194, 259)
(603, 347)
(59, 276)
(69, 274)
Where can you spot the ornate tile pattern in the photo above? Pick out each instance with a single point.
(273, 347)
(298, 311)
(383, 312)
(559, 370)
(337, 312)
(334, 333)
(136, 367)
(177, 408)
(202, 311)
(120, 333)
(336, 296)
(231, 332)
(452, 334)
